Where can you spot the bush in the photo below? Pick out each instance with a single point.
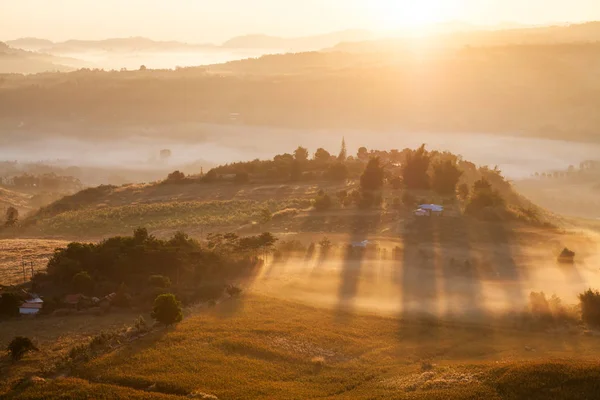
(590, 307)
(175, 176)
(322, 202)
(233, 291)
(159, 281)
(19, 346)
(167, 309)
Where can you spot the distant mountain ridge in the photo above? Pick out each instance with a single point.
(13, 60)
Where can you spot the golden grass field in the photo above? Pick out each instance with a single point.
(258, 347)
(13, 252)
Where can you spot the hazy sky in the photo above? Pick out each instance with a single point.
(218, 20)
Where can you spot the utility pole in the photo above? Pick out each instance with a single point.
(24, 275)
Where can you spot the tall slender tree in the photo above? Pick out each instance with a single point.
(343, 153)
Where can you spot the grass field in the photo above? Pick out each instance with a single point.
(169, 215)
(13, 252)
(264, 348)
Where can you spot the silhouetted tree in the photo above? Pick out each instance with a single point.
(343, 153)
(296, 171)
(301, 154)
(12, 216)
(372, 177)
(143, 68)
(9, 304)
(167, 309)
(175, 176)
(241, 178)
(463, 191)
(362, 154)
(83, 283)
(322, 155)
(445, 177)
(337, 172)
(414, 170)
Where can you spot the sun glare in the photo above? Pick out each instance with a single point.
(415, 15)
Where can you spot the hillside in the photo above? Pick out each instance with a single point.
(250, 348)
(17, 61)
(477, 89)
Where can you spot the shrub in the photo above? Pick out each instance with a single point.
(322, 202)
(159, 281)
(140, 324)
(175, 176)
(167, 309)
(19, 346)
(233, 291)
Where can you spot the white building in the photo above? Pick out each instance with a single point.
(31, 306)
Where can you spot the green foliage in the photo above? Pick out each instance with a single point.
(9, 304)
(445, 177)
(372, 177)
(167, 309)
(415, 169)
(322, 202)
(20, 346)
(159, 281)
(590, 307)
(83, 283)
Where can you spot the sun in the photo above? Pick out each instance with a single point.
(408, 15)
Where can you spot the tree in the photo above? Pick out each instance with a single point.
(241, 178)
(83, 283)
(463, 191)
(372, 177)
(301, 154)
(445, 177)
(322, 155)
(175, 176)
(343, 153)
(362, 153)
(12, 216)
(590, 307)
(414, 170)
(397, 183)
(167, 309)
(337, 172)
(143, 68)
(19, 346)
(159, 281)
(9, 304)
(296, 171)
(122, 298)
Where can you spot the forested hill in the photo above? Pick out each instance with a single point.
(542, 90)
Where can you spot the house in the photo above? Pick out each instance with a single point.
(31, 306)
(429, 210)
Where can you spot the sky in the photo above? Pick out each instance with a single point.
(218, 20)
